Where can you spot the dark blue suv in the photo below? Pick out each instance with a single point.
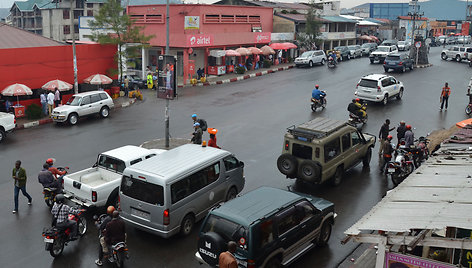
(398, 62)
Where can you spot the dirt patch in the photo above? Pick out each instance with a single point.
(438, 136)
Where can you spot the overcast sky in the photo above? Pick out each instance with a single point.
(344, 3)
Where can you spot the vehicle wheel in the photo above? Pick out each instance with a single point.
(310, 64)
(57, 247)
(231, 194)
(309, 171)
(323, 61)
(73, 118)
(470, 63)
(468, 110)
(338, 176)
(273, 263)
(386, 70)
(212, 243)
(348, 56)
(458, 58)
(411, 67)
(325, 102)
(400, 94)
(325, 234)
(385, 99)
(104, 112)
(410, 169)
(2, 135)
(367, 157)
(82, 226)
(186, 226)
(443, 56)
(396, 179)
(287, 164)
(403, 69)
(313, 107)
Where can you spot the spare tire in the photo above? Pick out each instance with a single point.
(287, 164)
(310, 171)
(210, 245)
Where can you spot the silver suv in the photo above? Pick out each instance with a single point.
(457, 53)
(379, 88)
(309, 58)
(83, 104)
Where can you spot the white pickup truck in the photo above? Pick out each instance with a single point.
(7, 124)
(98, 186)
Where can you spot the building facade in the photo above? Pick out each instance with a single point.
(51, 18)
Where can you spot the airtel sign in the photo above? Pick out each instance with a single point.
(199, 40)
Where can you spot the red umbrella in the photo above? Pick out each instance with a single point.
(277, 46)
(59, 84)
(267, 50)
(98, 79)
(289, 45)
(255, 50)
(243, 51)
(17, 90)
(232, 53)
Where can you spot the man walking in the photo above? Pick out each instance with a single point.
(50, 100)
(197, 134)
(126, 82)
(19, 175)
(446, 91)
(44, 102)
(227, 259)
(57, 97)
(383, 134)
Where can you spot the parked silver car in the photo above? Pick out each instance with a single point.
(309, 58)
(367, 48)
(403, 45)
(356, 51)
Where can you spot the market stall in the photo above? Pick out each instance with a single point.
(216, 62)
(231, 59)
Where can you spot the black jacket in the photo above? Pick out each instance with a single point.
(115, 231)
(384, 130)
(401, 129)
(46, 178)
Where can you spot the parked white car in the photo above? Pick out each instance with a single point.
(7, 124)
(382, 52)
(98, 186)
(403, 45)
(379, 88)
(309, 58)
(457, 53)
(83, 104)
(356, 51)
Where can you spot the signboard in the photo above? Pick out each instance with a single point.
(191, 67)
(418, 44)
(217, 70)
(465, 28)
(261, 37)
(393, 260)
(166, 82)
(192, 22)
(199, 40)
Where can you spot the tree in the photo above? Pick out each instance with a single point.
(120, 30)
(309, 39)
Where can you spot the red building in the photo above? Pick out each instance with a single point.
(198, 32)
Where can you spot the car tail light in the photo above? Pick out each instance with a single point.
(378, 89)
(14, 121)
(94, 196)
(400, 63)
(251, 264)
(166, 217)
(286, 145)
(385, 62)
(391, 165)
(357, 85)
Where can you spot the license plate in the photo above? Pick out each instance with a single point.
(48, 240)
(55, 117)
(140, 214)
(391, 170)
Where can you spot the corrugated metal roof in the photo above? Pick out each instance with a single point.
(437, 195)
(337, 19)
(13, 37)
(297, 17)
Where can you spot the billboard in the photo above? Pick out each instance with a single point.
(192, 22)
(397, 260)
(166, 81)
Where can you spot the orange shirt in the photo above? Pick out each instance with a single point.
(446, 91)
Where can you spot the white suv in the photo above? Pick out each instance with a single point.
(379, 88)
(82, 104)
(311, 57)
(382, 52)
(457, 53)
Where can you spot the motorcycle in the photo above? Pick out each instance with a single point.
(321, 103)
(119, 251)
(49, 193)
(331, 63)
(354, 119)
(401, 167)
(56, 238)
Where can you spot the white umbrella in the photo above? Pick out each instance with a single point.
(59, 84)
(17, 90)
(98, 79)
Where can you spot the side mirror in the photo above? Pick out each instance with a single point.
(241, 163)
(95, 165)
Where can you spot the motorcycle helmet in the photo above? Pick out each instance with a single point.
(402, 122)
(60, 198)
(408, 127)
(317, 86)
(110, 210)
(194, 115)
(358, 100)
(389, 137)
(50, 161)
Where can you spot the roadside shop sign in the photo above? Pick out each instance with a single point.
(199, 40)
(393, 260)
(192, 22)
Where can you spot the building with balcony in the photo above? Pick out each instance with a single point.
(52, 18)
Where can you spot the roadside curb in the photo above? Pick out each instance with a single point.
(424, 65)
(49, 120)
(239, 78)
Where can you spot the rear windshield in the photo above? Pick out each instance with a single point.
(142, 190)
(368, 83)
(111, 163)
(228, 230)
(393, 57)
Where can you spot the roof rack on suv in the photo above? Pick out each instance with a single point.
(315, 129)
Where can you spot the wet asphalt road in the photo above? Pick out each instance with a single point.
(252, 116)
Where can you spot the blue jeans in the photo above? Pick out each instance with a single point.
(23, 191)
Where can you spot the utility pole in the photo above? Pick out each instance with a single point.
(72, 27)
(167, 53)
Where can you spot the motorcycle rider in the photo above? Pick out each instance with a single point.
(317, 94)
(356, 108)
(103, 249)
(409, 137)
(116, 231)
(387, 152)
(332, 55)
(401, 131)
(46, 178)
(60, 212)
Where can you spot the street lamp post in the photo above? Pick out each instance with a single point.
(414, 53)
(167, 98)
(72, 27)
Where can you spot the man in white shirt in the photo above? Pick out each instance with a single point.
(50, 102)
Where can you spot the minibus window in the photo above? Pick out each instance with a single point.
(142, 190)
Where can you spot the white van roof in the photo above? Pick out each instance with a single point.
(129, 152)
(172, 164)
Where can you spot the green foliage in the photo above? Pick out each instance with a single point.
(290, 59)
(112, 17)
(284, 11)
(310, 38)
(239, 70)
(33, 111)
(267, 63)
(294, 12)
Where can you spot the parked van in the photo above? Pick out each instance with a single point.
(168, 193)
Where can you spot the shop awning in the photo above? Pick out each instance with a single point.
(366, 37)
(243, 51)
(217, 53)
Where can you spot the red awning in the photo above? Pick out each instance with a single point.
(285, 45)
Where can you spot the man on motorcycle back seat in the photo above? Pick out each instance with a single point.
(116, 231)
(317, 94)
(60, 212)
(356, 108)
(331, 54)
(104, 220)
